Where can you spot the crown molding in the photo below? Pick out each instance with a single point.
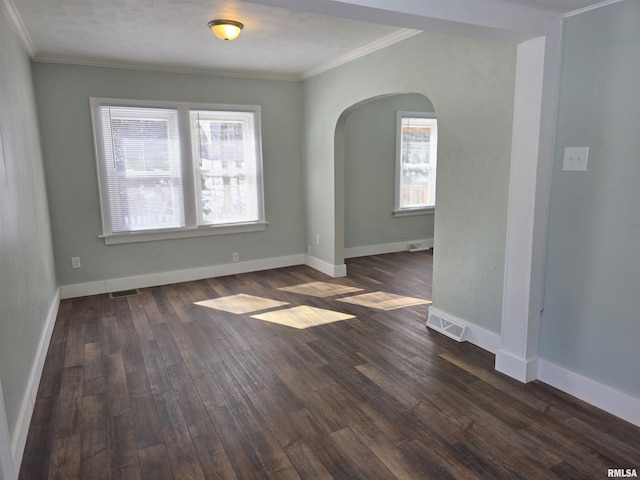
(591, 7)
(165, 69)
(398, 36)
(524, 8)
(549, 13)
(391, 39)
(386, 41)
(16, 21)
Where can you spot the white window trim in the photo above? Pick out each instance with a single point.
(411, 212)
(191, 228)
(203, 231)
(399, 211)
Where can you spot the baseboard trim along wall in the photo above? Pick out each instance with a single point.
(334, 271)
(523, 370)
(602, 396)
(165, 278)
(381, 249)
(479, 336)
(6, 458)
(617, 403)
(176, 276)
(28, 403)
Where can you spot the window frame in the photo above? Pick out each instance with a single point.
(189, 171)
(399, 210)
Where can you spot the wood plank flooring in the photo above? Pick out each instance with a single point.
(156, 387)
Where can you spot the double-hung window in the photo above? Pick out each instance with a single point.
(416, 163)
(174, 169)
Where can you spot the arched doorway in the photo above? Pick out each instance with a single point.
(366, 138)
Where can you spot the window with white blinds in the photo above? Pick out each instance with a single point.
(167, 168)
(224, 155)
(416, 161)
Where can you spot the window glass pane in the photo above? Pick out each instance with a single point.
(175, 166)
(224, 149)
(144, 179)
(418, 161)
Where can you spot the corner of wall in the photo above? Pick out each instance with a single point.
(326, 268)
(523, 370)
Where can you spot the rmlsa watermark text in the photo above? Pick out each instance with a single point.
(622, 473)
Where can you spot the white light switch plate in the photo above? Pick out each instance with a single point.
(575, 159)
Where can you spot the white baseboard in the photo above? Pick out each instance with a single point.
(479, 336)
(381, 249)
(602, 396)
(28, 403)
(523, 370)
(325, 267)
(165, 278)
(617, 403)
(6, 459)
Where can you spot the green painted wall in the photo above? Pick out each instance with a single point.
(471, 85)
(63, 93)
(591, 322)
(27, 280)
(370, 174)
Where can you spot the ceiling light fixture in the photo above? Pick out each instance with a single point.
(225, 29)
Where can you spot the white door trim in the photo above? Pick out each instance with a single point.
(534, 125)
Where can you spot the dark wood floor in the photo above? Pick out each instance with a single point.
(152, 386)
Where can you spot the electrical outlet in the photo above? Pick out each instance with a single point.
(575, 159)
(75, 262)
(308, 249)
(318, 239)
(235, 256)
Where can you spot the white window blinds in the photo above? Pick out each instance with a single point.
(175, 169)
(142, 162)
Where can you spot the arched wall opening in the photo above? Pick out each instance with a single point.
(365, 141)
(471, 83)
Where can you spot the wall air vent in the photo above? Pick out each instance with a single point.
(123, 293)
(445, 327)
(419, 245)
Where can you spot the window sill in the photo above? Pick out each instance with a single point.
(410, 212)
(150, 236)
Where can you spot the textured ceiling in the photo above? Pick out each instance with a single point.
(173, 34)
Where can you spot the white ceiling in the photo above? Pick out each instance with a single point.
(173, 34)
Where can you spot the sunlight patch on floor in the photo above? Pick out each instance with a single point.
(303, 317)
(384, 301)
(241, 303)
